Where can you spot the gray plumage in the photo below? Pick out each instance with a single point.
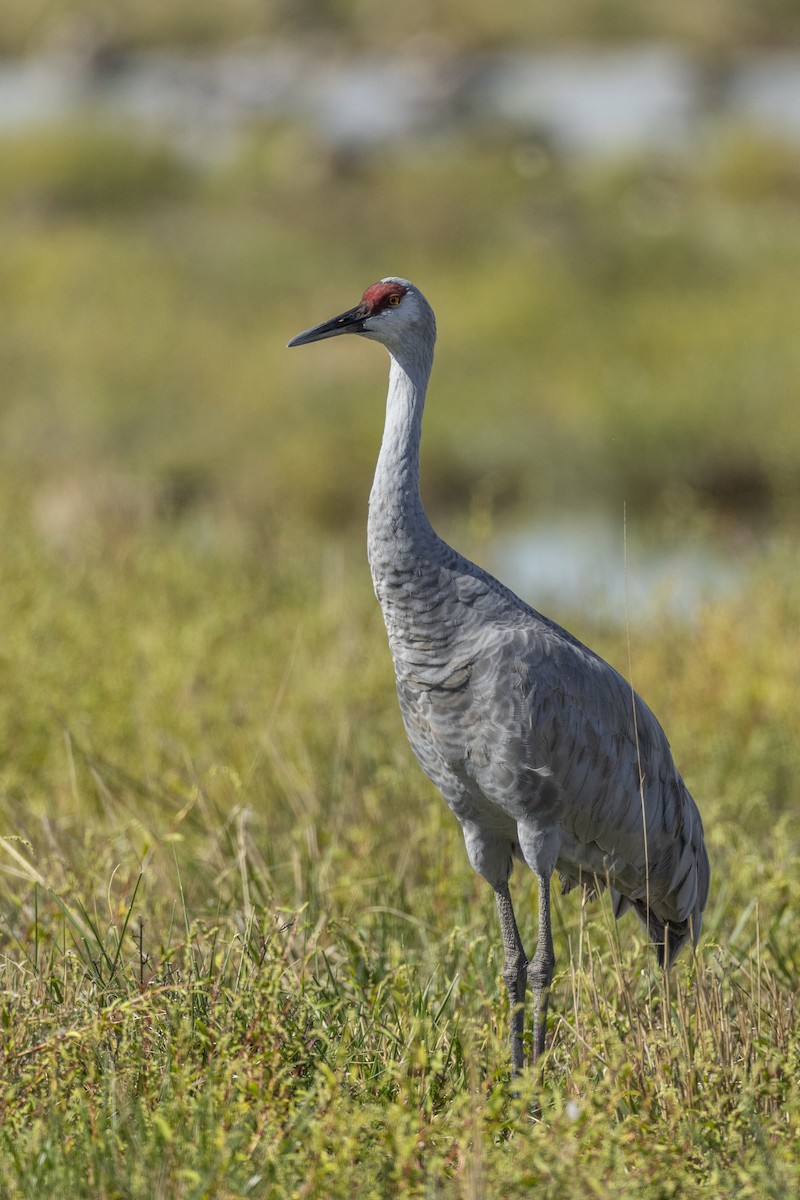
(541, 749)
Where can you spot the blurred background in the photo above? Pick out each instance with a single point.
(600, 200)
(199, 735)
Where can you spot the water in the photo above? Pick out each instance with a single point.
(581, 562)
(580, 101)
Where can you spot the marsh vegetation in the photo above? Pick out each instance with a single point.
(243, 952)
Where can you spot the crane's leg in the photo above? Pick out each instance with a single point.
(515, 965)
(541, 966)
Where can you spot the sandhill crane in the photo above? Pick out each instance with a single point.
(543, 752)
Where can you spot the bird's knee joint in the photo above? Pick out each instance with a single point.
(540, 971)
(513, 970)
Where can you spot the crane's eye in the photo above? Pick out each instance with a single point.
(393, 300)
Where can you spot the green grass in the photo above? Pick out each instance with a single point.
(242, 952)
(241, 938)
(359, 24)
(633, 327)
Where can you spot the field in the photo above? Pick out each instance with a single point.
(711, 25)
(242, 952)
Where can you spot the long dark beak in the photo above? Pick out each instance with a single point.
(351, 321)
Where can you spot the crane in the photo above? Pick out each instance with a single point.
(544, 753)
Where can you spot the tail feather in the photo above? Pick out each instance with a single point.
(689, 891)
(688, 873)
(669, 936)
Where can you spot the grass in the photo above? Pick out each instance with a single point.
(710, 25)
(640, 321)
(241, 949)
(243, 952)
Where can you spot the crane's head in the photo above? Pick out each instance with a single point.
(392, 311)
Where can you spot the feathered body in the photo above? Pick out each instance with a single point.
(520, 726)
(541, 749)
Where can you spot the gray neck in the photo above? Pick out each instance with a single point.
(399, 531)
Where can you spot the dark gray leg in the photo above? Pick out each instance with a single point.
(514, 971)
(540, 968)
